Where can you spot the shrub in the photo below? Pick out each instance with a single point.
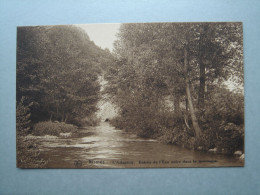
(28, 154)
(53, 128)
(22, 118)
(226, 106)
(92, 120)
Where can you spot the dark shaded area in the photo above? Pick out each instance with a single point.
(57, 73)
(57, 80)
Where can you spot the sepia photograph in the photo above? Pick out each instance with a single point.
(130, 95)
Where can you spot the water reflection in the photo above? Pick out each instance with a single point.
(116, 148)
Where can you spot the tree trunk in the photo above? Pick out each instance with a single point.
(62, 118)
(177, 102)
(201, 96)
(66, 117)
(186, 104)
(57, 111)
(191, 107)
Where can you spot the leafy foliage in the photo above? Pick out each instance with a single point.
(57, 70)
(177, 71)
(22, 118)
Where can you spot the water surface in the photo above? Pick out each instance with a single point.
(106, 147)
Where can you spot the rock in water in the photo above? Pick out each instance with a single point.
(213, 150)
(238, 152)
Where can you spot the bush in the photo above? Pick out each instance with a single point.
(92, 120)
(52, 128)
(28, 154)
(22, 118)
(227, 138)
(221, 122)
(223, 105)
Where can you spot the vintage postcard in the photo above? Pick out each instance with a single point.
(133, 95)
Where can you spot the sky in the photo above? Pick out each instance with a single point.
(103, 35)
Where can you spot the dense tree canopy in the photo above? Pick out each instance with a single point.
(57, 70)
(167, 80)
(178, 64)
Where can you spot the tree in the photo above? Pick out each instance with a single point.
(173, 59)
(57, 70)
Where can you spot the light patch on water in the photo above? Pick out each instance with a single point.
(107, 143)
(42, 137)
(65, 134)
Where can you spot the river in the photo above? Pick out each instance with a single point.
(104, 146)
